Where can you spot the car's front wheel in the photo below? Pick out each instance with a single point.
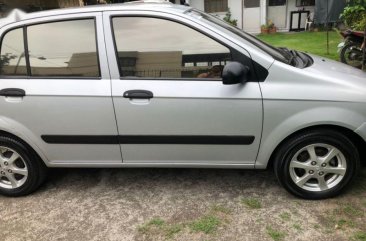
(21, 171)
(316, 164)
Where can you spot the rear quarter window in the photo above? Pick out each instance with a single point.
(12, 54)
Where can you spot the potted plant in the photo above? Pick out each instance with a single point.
(264, 29)
(271, 27)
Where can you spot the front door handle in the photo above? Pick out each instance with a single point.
(12, 92)
(138, 94)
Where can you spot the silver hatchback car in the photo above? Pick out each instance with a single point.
(162, 85)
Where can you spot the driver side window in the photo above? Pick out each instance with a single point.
(157, 48)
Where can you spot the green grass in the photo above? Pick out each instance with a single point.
(157, 222)
(360, 236)
(221, 209)
(171, 231)
(316, 226)
(206, 224)
(159, 226)
(251, 203)
(352, 211)
(297, 227)
(311, 42)
(285, 216)
(276, 235)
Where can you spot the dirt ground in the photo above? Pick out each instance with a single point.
(178, 204)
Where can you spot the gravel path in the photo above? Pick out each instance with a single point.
(178, 204)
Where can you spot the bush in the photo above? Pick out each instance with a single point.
(228, 19)
(354, 17)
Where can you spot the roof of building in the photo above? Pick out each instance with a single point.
(148, 5)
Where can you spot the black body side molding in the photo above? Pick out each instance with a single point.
(152, 139)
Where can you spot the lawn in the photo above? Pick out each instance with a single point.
(311, 42)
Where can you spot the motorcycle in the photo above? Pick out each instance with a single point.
(352, 49)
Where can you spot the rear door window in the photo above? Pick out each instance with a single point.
(66, 48)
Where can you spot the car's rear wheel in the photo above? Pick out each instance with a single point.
(316, 164)
(21, 171)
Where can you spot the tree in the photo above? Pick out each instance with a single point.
(354, 15)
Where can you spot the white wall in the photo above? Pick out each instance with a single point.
(236, 11)
(199, 4)
(276, 14)
(234, 5)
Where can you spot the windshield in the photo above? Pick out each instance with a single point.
(276, 53)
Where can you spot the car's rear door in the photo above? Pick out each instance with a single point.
(171, 105)
(67, 110)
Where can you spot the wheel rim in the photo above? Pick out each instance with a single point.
(13, 169)
(318, 167)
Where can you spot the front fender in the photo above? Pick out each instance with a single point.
(278, 125)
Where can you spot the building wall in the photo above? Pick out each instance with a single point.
(47, 4)
(234, 5)
(69, 3)
(292, 7)
(279, 15)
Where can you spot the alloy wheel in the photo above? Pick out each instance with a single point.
(13, 169)
(318, 167)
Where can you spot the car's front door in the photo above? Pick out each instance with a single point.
(171, 105)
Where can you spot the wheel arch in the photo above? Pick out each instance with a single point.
(25, 143)
(357, 140)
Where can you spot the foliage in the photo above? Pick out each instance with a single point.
(360, 236)
(5, 60)
(361, 25)
(268, 25)
(357, 2)
(228, 19)
(354, 16)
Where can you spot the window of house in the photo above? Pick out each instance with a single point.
(12, 56)
(66, 48)
(212, 6)
(303, 3)
(251, 3)
(159, 48)
(272, 3)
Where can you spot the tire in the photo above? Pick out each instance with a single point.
(356, 64)
(297, 172)
(21, 175)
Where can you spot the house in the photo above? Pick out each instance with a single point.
(37, 5)
(287, 15)
(251, 14)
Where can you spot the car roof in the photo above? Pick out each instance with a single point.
(162, 6)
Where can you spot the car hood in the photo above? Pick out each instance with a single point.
(324, 80)
(336, 70)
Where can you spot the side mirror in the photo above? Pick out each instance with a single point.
(235, 73)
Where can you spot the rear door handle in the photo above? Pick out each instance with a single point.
(12, 92)
(138, 94)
